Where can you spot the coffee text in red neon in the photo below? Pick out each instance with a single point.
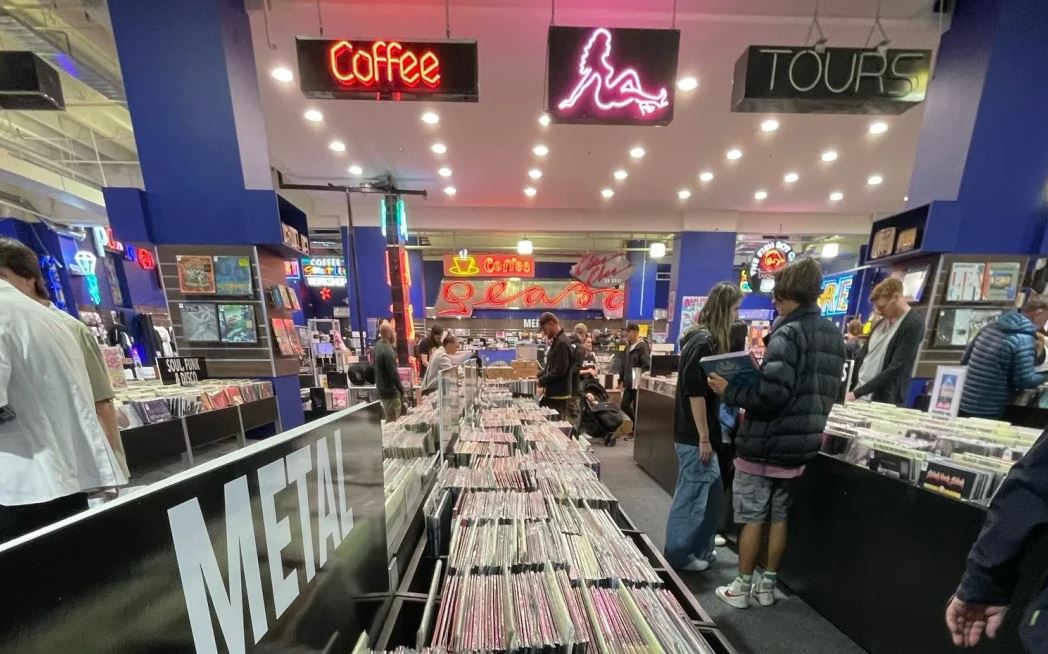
(384, 63)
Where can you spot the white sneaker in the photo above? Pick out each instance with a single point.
(719, 541)
(696, 565)
(734, 595)
(762, 592)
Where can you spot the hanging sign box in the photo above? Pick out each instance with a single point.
(384, 69)
(803, 80)
(611, 76)
(184, 371)
(489, 265)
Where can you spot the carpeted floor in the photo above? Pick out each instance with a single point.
(789, 627)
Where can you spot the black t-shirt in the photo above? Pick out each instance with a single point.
(691, 382)
(425, 347)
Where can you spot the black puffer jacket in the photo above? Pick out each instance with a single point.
(786, 410)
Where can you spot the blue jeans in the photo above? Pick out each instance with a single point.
(696, 510)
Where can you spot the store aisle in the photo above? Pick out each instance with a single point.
(789, 627)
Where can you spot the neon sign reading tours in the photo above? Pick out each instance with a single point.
(612, 76)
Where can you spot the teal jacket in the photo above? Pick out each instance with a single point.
(1001, 360)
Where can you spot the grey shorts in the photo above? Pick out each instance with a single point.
(757, 499)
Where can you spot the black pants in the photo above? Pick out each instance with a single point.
(560, 406)
(629, 404)
(22, 519)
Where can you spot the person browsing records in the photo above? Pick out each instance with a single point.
(556, 379)
(891, 351)
(432, 341)
(387, 377)
(697, 499)
(635, 359)
(786, 409)
(443, 358)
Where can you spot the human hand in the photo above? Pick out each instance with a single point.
(967, 622)
(705, 450)
(850, 397)
(717, 383)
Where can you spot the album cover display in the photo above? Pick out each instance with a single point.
(199, 322)
(196, 275)
(236, 323)
(965, 283)
(958, 327)
(233, 276)
(1001, 282)
(907, 240)
(883, 243)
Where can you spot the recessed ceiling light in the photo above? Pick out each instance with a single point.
(836, 196)
(355, 170)
(905, 198)
(540, 150)
(705, 176)
(337, 146)
(620, 174)
(430, 118)
(535, 173)
(438, 148)
(790, 178)
(733, 154)
(607, 193)
(769, 125)
(760, 194)
(544, 120)
(450, 190)
(684, 194)
(530, 191)
(282, 74)
(830, 250)
(687, 84)
(444, 172)
(313, 115)
(637, 152)
(877, 127)
(874, 180)
(829, 155)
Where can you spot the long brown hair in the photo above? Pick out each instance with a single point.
(716, 317)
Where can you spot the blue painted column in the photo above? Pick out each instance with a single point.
(418, 284)
(192, 89)
(640, 289)
(700, 260)
(375, 297)
(981, 156)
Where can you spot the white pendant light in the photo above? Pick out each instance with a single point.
(657, 250)
(524, 246)
(830, 250)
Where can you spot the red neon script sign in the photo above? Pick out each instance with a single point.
(460, 298)
(602, 269)
(384, 63)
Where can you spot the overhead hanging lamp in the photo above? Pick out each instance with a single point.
(524, 246)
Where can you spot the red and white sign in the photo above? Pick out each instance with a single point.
(459, 297)
(602, 269)
(489, 265)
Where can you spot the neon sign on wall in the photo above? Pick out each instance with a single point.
(387, 69)
(612, 76)
(460, 297)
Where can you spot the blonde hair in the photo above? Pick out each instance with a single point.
(886, 289)
(716, 316)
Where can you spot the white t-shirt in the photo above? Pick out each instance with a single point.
(54, 446)
(882, 335)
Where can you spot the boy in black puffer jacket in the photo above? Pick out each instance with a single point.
(785, 415)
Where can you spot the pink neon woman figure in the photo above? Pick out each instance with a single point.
(608, 89)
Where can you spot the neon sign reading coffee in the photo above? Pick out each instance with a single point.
(388, 62)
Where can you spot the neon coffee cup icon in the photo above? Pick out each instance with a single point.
(464, 266)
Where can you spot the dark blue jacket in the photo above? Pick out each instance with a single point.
(1017, 513)
(1000, 360)
(786, 409)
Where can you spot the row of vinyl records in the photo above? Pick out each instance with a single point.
(535, 559)
(963, 458)
(151, 403)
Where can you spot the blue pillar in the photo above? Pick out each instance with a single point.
(192, 89)
(979, 156)
(375, 297)
(700, 260)
(418, 284)
(640, 289)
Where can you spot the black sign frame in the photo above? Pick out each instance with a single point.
(184, 371)
(650, 53)
(459, 70)
(798, 79)
(111, 579)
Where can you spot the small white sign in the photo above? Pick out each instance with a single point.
(946, 393)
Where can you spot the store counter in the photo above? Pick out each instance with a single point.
(653, 442)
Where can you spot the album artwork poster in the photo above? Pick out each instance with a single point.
(233, 275)
(196, 275)
(236, 323)
(199, 322)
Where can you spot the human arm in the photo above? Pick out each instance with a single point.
(777, 378)
(698, 413)
(389, 366)
(1017, 512)
(558, 364)
(645, 355)
(967, 356)
(1024, 364)
(909, 336)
